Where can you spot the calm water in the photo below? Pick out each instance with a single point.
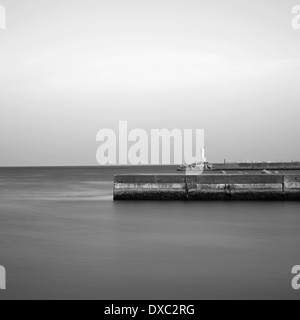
(62, 236)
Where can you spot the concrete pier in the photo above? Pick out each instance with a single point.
(150, 187)
(207, 187)
(255, 166)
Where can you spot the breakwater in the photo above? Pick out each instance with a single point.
(255, 166)
(207, 187)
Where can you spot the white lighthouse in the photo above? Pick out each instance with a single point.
(203, 160)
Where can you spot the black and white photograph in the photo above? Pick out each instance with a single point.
(149, 153)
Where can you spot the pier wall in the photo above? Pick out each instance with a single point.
(257, 166)
(207, 187)
(150, 187)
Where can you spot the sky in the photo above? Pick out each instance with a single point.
(70, 68)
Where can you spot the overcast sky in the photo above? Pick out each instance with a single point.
(69, 68)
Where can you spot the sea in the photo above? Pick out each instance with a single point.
(63, 237)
